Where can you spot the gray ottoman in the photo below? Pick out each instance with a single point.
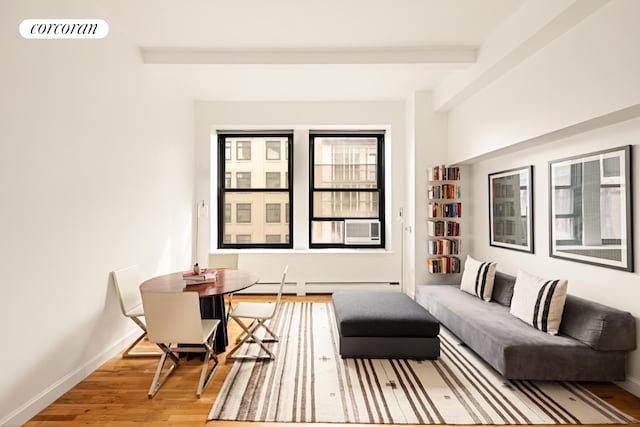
(385, 325)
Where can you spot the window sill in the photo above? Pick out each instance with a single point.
(305, 251)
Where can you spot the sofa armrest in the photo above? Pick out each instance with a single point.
(598, 326)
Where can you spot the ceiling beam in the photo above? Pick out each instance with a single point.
(463, 55)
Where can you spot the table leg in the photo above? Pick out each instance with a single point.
(213, 308)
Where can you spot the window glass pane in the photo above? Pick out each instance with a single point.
(611, 202)
(561, 174)
(257, 214)
(327, 204)
(327, 232)
(345, 162)
(273, 150)
(243, 150)
(227, 179)
(564, 229)
(273, 212)
(227, 238)
(611, 167)
(243, 213)
(273, 180)
(564, 201)
(251, 156)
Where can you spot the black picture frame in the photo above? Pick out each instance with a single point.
(511, 209)
(591, 208)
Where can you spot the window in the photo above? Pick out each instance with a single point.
(243, 213)
(347, 182)
(261, 189)
(243, 179)
(243, 238)
(227, 151)
(273, 238)
(273, 213)
(243, 150)
(273, 150)
(227, 213)
(272, 179)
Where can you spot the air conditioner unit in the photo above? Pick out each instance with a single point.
(361, 232)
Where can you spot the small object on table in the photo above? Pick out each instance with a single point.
(204, 276)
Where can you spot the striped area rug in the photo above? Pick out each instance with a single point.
(310, 382)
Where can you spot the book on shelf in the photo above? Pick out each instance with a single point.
(444, 191)
(444, 264)
(443, 173)
(443, 228)
(444, 247)
(445, 210)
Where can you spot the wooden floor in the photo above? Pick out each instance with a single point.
(116, 395)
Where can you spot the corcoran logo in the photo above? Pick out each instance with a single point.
(64, 29)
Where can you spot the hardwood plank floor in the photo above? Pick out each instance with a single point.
(116, 394)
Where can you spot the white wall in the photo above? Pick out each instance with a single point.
(95, 174)
(578, 94)
(589, 72)
(429, 130)
(310, 265)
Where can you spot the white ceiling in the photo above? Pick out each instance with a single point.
(255, 28)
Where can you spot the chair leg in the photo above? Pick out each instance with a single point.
(274, 337)
(249, 336)
(230, 308)
(205, 377)
(129, 354)
(157, 380)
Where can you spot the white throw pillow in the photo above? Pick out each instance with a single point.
(477, 278)
(539, 302)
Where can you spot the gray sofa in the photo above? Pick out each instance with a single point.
(592, 343)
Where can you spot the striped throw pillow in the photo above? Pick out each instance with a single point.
(539, 302)
(477, 278)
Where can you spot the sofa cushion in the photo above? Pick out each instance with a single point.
(539, 302)
(512, 347)
(477, 278)
(503, 288)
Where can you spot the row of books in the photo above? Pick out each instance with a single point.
(443, 173)
(443, 228)
(444, 191)
(444, 264)
(205, 276)
(444, 247)
(444, 210)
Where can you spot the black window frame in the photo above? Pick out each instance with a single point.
(222, 189)
(380, 189)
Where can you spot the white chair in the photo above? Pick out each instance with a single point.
(218, 260)
(127, 282)
(174, 318)
(223, 260)
(258, 313)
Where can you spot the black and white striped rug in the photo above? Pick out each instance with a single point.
(310, 382)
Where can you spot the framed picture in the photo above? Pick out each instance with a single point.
(511, 209)
(591, 208)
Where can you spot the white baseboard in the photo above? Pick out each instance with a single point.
(45, 398)
(632, 385)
